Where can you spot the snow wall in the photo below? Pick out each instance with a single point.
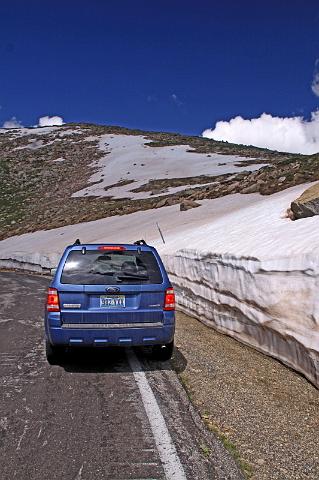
(271, 305)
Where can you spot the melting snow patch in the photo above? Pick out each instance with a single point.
(71, 131)
(129, 157)
(22, 132)
(59, 160)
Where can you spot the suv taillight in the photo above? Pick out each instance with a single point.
(53, 300)
(169, 303)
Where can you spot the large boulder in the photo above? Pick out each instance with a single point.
(307, 204)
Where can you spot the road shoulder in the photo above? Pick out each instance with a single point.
(265, 413)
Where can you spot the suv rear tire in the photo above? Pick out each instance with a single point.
(53, 353)
(163, 352)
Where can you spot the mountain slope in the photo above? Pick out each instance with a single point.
(43, 170)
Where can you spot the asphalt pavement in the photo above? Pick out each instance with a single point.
(100, 414)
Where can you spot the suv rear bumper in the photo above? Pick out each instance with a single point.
(111, 336)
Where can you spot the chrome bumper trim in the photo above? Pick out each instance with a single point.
(111, 325)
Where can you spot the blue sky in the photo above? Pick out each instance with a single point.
(157, 65)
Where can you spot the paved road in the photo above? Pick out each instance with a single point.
(112, 414)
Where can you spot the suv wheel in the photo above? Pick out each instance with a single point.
(53, 353)
(163, 352)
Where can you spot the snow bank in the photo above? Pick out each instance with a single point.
(269, 305)
(44, 247)
(236, 262)
(254, 275)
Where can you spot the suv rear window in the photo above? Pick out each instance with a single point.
(111, 268)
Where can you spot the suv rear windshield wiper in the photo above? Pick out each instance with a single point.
(96, 272)
(132, 276)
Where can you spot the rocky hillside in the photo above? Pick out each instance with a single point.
(40, 170)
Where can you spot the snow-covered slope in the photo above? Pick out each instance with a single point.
(128, 157)
(237, 264)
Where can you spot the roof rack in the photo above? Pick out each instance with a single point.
(140, 242)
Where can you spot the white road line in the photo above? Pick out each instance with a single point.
(23, 434)
(172, 466)
(79, 475)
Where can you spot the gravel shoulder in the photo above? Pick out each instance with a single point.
(265, 413)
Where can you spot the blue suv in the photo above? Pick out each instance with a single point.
(107, 295)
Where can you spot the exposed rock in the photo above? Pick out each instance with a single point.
(166, 202)
(233, 187)
(162, 203)
(158, 191)
(307, 204)
(187, 205)
(290, 214)
(251, 189)
(298, 177)
(240, 176)
(193, 197)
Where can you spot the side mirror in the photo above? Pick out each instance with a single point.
(53, 271)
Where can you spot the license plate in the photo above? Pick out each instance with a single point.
(114, 301)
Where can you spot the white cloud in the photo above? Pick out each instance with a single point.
(315, 80)
(315, 84)
(12, 123)
(50, 121)
(176, 100)
(289, 134)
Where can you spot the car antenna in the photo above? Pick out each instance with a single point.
(160, 231)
